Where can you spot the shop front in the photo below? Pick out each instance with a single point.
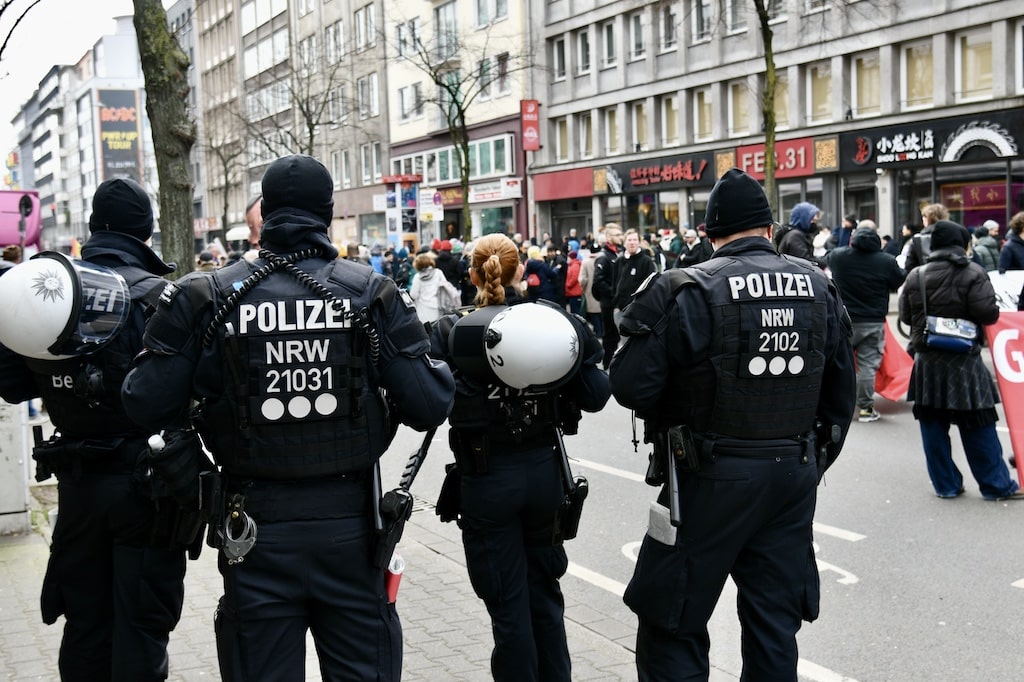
(970, 164)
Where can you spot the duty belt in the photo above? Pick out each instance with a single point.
(712, 446)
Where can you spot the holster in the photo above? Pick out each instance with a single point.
(568, 522)
(470, 451)
(449, 501)
(395, 510)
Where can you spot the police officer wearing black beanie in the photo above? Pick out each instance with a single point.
(110, 543)
(289, 358)
(737, 359)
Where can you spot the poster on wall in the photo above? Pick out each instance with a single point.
(120, 148)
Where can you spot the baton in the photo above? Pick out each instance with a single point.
(416, 459)
(675, 512)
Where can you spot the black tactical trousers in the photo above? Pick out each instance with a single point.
(745, 517)
(120, 596)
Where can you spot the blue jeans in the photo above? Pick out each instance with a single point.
(869, 344)
(984, 456)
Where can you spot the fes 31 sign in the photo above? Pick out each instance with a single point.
(793, 158)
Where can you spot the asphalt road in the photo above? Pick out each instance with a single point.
(913, 587)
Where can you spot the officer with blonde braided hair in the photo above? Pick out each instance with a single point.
(523, 371)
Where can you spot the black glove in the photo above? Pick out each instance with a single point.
(176, 458)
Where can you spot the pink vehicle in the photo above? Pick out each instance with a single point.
(17, 206)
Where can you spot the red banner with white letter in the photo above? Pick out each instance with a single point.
(1006, 341)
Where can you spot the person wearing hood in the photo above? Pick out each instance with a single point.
(949, 387)
(865, 277)
(302, 365)
(107, 546)
(431, 292)
(986, 248)
(799, 241)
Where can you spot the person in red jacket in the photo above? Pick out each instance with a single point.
(573, 288)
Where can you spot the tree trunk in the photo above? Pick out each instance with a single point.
(165, 67)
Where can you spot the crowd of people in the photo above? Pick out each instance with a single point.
(292, 364)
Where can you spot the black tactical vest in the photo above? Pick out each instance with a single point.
(83, 394)
(767, 352)
(299, 402)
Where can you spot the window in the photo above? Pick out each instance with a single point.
(366, 27)
(346, 169)
(701, 19)
(816, 5)
(583, 52)
(305, 7)
(562, 139)
(502, 76)
(368, 101)
(307, 56)
(611, 131)
(558, 58)
(739, 108)
(776, 10)
(490, 10)
(336, 168)
(636, 35)
(378, 162)
(867, 85)
(702, 114)
(608, 44)
(667, 26)
(407, 35)
(670, 120)
(334, 43)
(343, 107)
(918, 75)
(445, 31)
(819, 89)
(973, 66)
(585, 128)
(484, 77)
(737, 14)
(781, 101)
(640, 142)
(366, 162)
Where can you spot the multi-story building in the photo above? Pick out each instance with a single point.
(480, 50)
(881, 105)
(85, 123)
(181, 21)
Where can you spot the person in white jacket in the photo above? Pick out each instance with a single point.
(430, 291)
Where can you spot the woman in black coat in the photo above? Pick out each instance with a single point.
(949, 387)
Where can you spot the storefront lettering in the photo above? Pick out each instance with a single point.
(680, 171)
(910, 146)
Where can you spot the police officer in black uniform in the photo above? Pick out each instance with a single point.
(286, 357)
(507, 439)
(742, 369)
(116, 580)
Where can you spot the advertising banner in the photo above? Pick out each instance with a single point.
(1006, 342)
(529, 110)
(120, 148)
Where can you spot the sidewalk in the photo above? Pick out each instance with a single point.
(446, 629)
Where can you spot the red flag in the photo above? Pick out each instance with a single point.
(893, 375)
(1006, 342)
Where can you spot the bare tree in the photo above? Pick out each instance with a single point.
(463, 66)
(6, 8)
(165, 68)
(224, 153)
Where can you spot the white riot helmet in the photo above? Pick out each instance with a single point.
(532, 345)
(54, 307)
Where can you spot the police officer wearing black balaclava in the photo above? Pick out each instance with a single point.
(734, 360)
(116, 579)
(286, 356)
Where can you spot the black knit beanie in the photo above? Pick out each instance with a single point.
(298, 182)
(121, 205)
(736, 203)
(946, 233)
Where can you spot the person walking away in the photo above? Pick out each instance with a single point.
(631, 269)
(949, 387)
(115, 572)
(919, 246)
(603, 287)
(797, 241)
(865, 277)
(986, 248)
(1011, 257)
(431, 292)
(289, 359)
(573, 288)
(509, 456)
(541, 278)
(745, 498)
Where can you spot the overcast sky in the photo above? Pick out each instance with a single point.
(53, 32)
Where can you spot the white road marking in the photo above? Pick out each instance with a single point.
(838, 532)
(596, 579)
(631, 550)
(621, 473)
(813, 671)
